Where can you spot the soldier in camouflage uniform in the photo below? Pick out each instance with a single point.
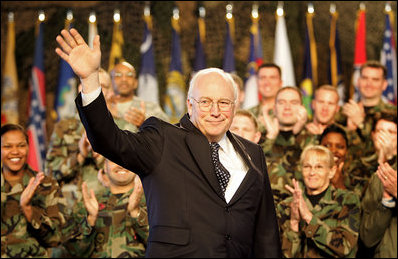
(384, 137)
(379, 219)
(269, 81)
(31, 203)
(286, 138)
(64, 160)
(318, 220)
(131, 110)
(334, 137)
(113, 225)
(362, 116)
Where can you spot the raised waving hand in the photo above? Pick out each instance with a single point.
(84, 61)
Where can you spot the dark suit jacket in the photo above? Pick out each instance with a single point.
(187, 213)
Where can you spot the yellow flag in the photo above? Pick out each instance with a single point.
(116, 54)
(9, 88)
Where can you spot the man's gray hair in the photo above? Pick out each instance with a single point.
(205, 71)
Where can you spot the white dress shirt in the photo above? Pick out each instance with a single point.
(235, 165)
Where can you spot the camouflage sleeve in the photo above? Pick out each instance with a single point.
(338, 239)
(140, 224)
(291, 244)
(78, 235)
(290, 240)
(375, 218)
(61, 159)
(48, 218)
(267, 146)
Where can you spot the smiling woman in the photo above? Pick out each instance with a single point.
(14, 151)
(327, 216)
(22, 189)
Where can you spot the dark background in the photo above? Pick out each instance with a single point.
(26, 12)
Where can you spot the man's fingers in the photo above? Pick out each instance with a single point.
(77, 37)
(68, 38)
(96, 43)
(65, 47)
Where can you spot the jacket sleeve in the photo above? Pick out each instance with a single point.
(375, 218)
(138, 152)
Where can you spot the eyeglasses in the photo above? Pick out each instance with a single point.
(205, 104)
(119, 74)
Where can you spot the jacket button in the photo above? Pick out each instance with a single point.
(227, 209)
(228, 237)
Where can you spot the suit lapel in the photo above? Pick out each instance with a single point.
(250, 177)
(200, 150)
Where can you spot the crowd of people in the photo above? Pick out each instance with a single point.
(120, 181)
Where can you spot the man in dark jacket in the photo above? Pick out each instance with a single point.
(207, 190)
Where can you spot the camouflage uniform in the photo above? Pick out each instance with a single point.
(379, 223)
(333, 230)
(360, 171)
(283, 157)
(151, 109)
(62, 163)
(61, 160)
(371, 117)
(116, 233)
(20, 238)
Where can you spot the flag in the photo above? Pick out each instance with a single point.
(175, 93)
(310, 78)
(92, 31)
(147, 82)
(255, 59)
(359, 52)
(9, 88)
(37, 112)
(116, 53)
(282, 53)
(64, 104)
(389, 59)
(335, 71)
(200, 57)
(229, 60)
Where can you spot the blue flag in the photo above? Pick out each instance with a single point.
(389, 60)
(37, 112)
(147, 82)
(310, 77)
(64, 104)
(175, 93)
(335, 71)
(255, 59)
(200, 57)
(229, 60)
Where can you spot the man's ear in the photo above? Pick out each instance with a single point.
(189, 107)
(257, 137)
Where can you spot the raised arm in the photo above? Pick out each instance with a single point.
(84, 61)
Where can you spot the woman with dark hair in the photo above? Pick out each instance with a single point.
(335, 139)
(30, 201)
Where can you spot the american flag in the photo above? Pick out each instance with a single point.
(37, 112)
(389, 59)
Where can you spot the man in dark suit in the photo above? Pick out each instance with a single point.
(191, 212)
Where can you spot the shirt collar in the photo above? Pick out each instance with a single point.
(224, 143)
